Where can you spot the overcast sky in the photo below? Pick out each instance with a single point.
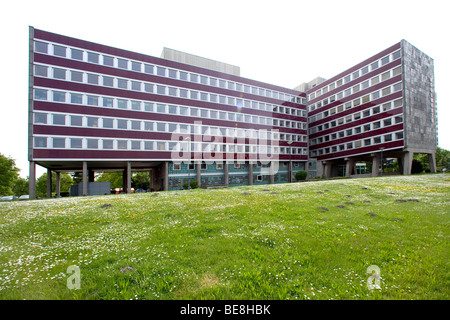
(280, 42)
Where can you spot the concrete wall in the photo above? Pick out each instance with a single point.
(93, 188)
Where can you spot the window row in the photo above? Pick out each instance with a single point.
(137, 66)
(358, 144)
(362, 86)
(153, 88)
(158, 126)
(58, 142)
(236, 165)
(386, 122)
(354, 116)
(356, 74)
(145, 106)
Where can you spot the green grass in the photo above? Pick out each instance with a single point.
(258, 242)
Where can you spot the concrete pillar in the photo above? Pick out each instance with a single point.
(375, 164)
(165, 172)
(250, 173)
(271, 173)
(128, 182)
(327, 169)
(198, 167)
(32, 180)
(290, 171)
(49, 183)
(58, 184)
(225, 173)
(432, 162)
(85, 180)
(407, 162)
(349, 166)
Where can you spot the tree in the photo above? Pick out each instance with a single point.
(442, 158)
(8, 175)
(301, 175)
(20, 186)
(41, 184)
(116, 178)
(141, 180)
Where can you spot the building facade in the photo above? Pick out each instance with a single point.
(93, 108)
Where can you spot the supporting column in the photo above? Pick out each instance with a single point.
(58, 184)
(128, 182)
(375, 164)
(326, 169)
(432, 162)
(166, 176)
(85, 179)
(225, 173)
(198, 167)
(290, 171)
(49, 183)
(407, 162)
(271, 173)
(250, 173)
(349, 165)
(32, 180)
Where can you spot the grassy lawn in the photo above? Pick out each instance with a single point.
(312, 240)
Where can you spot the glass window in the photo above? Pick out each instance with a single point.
(355, 74)
(385, 60)
(365, 70)
(40, 94)
(173, 109)
(40, 142)
(59, 73)
(76, 143)
(374, 65)
(160, 71)
(160, 145)
(375, 95)
(59, 51)
(122, 63)
(183, 75)
(148, 87)
(40, 47)
(92, 143)
(122, 124)
(136, 105)
(59, 142)
(122, 83)
(172, 73)
(76, 121)
(194, 94)
(40, 71)
(172, 127)
(108, 123)
(92, 122)
(108, 81)
(347, 78)
(92, 100)
(136, 66)
(76, 76)
(161, 89)
(108, 144)
(161, 108)
(396, 55)
(160, 126)
(183, 111)
(386, 91)
(148, 145)
(375, 80)
(135, 145)
(387, 122)
(76, 98)
(148, 126)
(399, 135)
(92, 57)
(108, 61)
(92, 78)
(122, 104)
(204, 96)
(172, 91)
(40, 118)
(76, 54)
(148, 106)
(193, 77)
(136, 85)
(148, 68)
(59, 96)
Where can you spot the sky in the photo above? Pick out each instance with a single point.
(283, 42)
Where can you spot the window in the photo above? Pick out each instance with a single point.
(136, 105)
(376, 125)
(136, 85)
(108, 123)
(385, 60)
(135, 125)
(374, 65)
(148, 126)
(259, 178)
(385, 75)
(76, 76)
(108, 144)
(108, 81)
(40, 118)
(347, 78)
(148, 145)
(160, 71)
(122, 83)
(386, 91)
(377, 140)
(355, 74)
(375, 95)
(148, 68)
(108, 61)
(122, 63)
(122, 104)
(396, 55)
(92, 57)
(176, 166)
(237, 165)
(399, 135)
(148, 87)
(122, 124)
(92, 100)
(76, 98)
(173, 109)
(160, 89)
(92, 122)
(92, 143)
(399, 119)
(172, 91)
(387, 122)
(122, 144)
(40, 142)
(387, 137)
(59, 51)
(59, 96)
(76, 143)
(40, 71)
(41, 47)
(59, 73)
(160, 145)
(108, 102)
(136, 66)
(40, 94)
(92, 78)
(59, 142)
(161, 126)
(77, 54)
(135, 145)
(397, 87)
(365, 70)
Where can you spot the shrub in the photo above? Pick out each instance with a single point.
(193, 183)
(301, 175)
